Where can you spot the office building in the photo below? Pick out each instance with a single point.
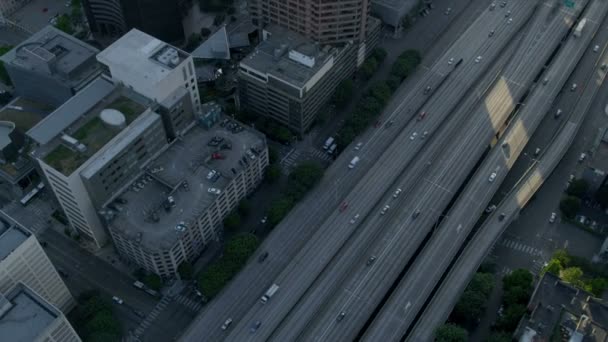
(562, 312)
(168, 214)
(159, 18)
(334, 22)
(91, 146)
(289, 78)
(51, 66)
(150, 66)
(22, 260)
(324, 21)
(27, 317)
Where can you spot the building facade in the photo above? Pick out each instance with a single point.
(26, 316)
(150, 66)
(324, 21)
(51, 66)
(289, 78)
(159, 18)
(22, 260)
(169, 214)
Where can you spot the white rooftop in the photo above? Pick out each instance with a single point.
(142, 57)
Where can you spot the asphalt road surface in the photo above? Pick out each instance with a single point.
(447, 295)
(393, 321)
(302, 222)
(315, 256)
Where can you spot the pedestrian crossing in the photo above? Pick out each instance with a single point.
(315, 153)
(162, 304)
(520, 247)
(194, 304)
(535, 268)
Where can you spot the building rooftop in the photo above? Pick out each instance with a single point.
(85, 123)
(289, 56)
(24, 315)
(52, 52)
(142, 57)
(182, 172)
(11, 238)
(558, 306)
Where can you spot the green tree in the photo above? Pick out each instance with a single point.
(381, 92)
(303, 178)
(153, 281)
(570, 206)
(563, 257)
(232, 221)
(572, 275)
(370, 106)
(273, 155)
(185, 270)
(278, 210)
(379, 54)
(451, 333)
(64, 23)
(597, 286)
(499, 336)
(577, 188)
(368, 68)
(516, 295)
(231, 10)
(401, 69)
(511, 317)
(393, 82)
(470, 307)
(244, 208)
(482, 283)
(344, 92)
(100, 336)
(553, 266)
(519, 277)
(103, 321)
(273, 173)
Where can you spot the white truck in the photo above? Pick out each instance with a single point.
(328, 143)
(579, 28)
(269, 293)
(353, 162)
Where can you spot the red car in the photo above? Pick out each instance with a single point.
(343, 206)
(421, 115)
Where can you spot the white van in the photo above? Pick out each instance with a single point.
(332, 149)
(353, 162)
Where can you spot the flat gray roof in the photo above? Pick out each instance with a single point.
(11, 239)
(188, 159)
(27, 317)
(69, 58)
(73, 109)
(272, 56)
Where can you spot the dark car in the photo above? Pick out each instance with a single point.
(501, 217)
(263, 257)
(255, 326)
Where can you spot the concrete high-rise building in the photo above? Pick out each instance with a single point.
(288, 77)
(51, 66)
(324, 21)
(22, 260)
(26, 316)
(150, 66)
(159, 18)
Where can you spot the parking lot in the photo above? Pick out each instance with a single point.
(38, 13)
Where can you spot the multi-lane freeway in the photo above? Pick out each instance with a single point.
(356, 236)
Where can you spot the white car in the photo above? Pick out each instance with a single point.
(509, 21)
(214, 191)
(384, 210)
(582, 157)
(264, 220)
(491, 208)
(478, 59)
(226, 323)
(354, 219)
(413, 136)
(358, 146)
(117, 300)
(573, 87)
(552, 217)
(450, 61)
(397, 192)
(596, 48)
(492, 177)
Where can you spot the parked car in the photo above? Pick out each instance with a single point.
(117, 300)
(354, 219)
(552, 218)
